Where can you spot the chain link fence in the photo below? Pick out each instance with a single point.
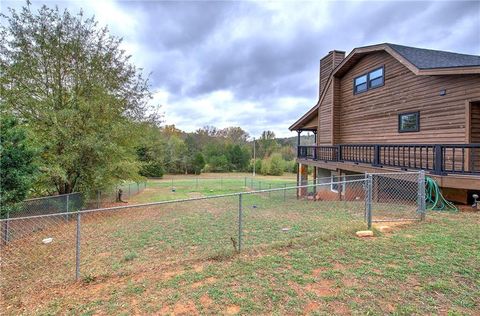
(88, 244)
(118, 194)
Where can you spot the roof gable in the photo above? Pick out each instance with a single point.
(432, 59)
(418, 60)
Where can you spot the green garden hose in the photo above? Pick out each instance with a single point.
(434, 198)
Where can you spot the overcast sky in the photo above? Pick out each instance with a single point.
(255, 64)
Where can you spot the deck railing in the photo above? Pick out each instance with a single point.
(437, 158)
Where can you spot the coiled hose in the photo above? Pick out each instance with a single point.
(434, 198)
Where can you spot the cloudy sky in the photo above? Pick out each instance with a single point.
(255, 64)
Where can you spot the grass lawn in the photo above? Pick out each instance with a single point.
(173, 187)
(298, 257)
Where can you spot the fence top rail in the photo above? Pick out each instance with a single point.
(51, 196)
(393, 173)
(114, 208)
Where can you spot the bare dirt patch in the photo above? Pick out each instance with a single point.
(349, 282)
(322, 288)
(232, 310)
(206, 301)
(185, 308)
(339, 308)
(317, 272)
(311, 307)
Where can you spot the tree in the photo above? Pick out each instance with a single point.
(239, 157)
(17, 166)
(74, 85)
(151, 151)
(267, 144)
(218, 164)
(198, 163)
(176, 155)
(235, 135)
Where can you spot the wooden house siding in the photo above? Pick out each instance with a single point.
(475, 123)
(372, 116)
(326, 67)
(325, 114)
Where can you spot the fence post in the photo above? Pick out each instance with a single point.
(77, 248)
(98, 198)
(421, 194)
(369, 201)
(240, 218)
(6, 228)
(68, 202)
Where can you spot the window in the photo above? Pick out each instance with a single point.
(371, 80)
(361, 84)
(375, 78)
(409, 122)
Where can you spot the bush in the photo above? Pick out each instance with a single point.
(291, 166)
(218, 164)
(258, 165)
(277, 165)
(273, 165)
(152, 169)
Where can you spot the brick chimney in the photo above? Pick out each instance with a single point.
(327, 64)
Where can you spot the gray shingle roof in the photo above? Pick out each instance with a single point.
(430, 59)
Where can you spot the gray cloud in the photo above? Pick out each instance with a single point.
(255, 64)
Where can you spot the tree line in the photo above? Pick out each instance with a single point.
(76, 115)
(208, 149)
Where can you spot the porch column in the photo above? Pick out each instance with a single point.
(315, 144)
(303, 179)
(298, 179)
(315, 182)
(298, 143)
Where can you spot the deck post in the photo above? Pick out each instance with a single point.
(438, 160)
(376, 156)
(298, 179)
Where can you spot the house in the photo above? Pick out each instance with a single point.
(387, 108)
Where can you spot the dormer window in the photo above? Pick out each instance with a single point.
(371, 80)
